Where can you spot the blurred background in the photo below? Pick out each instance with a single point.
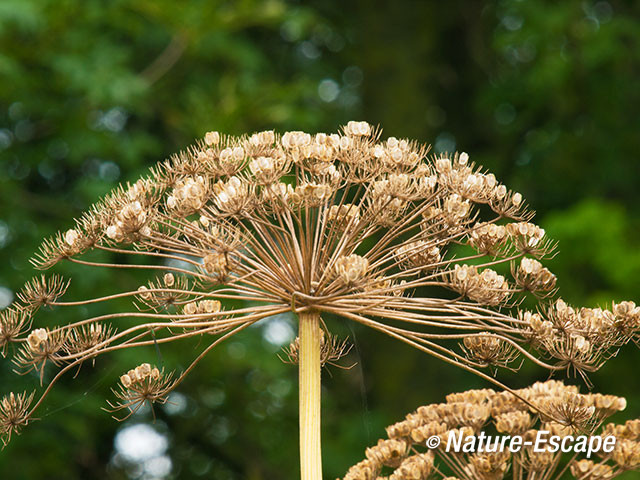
(544, 94)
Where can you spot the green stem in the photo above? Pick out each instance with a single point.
(310, 337)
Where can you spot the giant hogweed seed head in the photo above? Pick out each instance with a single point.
(237, 229)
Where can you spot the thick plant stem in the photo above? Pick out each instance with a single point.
(310, 338)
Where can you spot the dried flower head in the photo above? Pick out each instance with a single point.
(485, 287)
(13, 323)
(343, 216)
(42, 291)
(420, 255)
(14, 414)
(351, 269)
(489, 238)
(489, 350)
(42, 347)
(238, 229)
(469, 413)
(82, 341)
(164, 293)
(532, 276)
(143, 384)
(331, 350)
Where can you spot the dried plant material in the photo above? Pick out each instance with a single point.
(41, 349)
(590, 470)
(83, 340)
(239, 229)
(14, 323)
(411, 453)
(419, 255)
(352, 269)
(489, 238)
(485, 287)
(42, 291)
(143, 384)
(489, 350)
(14, 414)
(343, 216)
(331, 350)
(165, 292)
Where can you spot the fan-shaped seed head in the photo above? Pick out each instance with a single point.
(14, 414)
(486, 287)
(419, 254)
(532, 276)
(513, 423)
(589, 470)
(351, 269)
(292, 140)
(627, 454)
(467, 413)
(357, 129)
(488, 238)
(388, 452)
(312, 194)
(262, 139)
(415, 467)
(36, 338)
(212, 138)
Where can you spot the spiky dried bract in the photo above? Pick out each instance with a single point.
(82, 341)
(13, 323)
(560, 410)
(164, 292)
(140, 385)
(14, 414)
(331, 350)
(43, 347)
(42, 291)
(489, 350)
(377, 231)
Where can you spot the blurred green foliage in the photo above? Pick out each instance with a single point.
(544, 94)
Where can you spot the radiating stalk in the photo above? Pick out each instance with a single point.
(309, 395)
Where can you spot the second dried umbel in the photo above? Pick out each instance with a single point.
(563, 412)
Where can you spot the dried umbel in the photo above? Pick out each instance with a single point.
(84, 338)
(489, 350)
(331, 350)
(343, 216)
(489, 238)
(13, 324)
(351, 269)
(14, 414)
(143, 384)
(239, 229)
(467, 414)
(42, 347)
(420, 255)
(485, 287)
(532, 276)
(41, 291)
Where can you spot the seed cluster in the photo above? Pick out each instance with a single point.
(429, 249)
(14, 414)
(143, 384)
(563, 412)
